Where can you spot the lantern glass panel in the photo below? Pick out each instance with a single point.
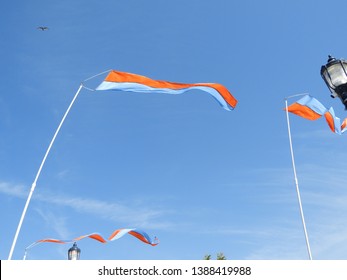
(73, 255)
(74, 252)
(337, 74)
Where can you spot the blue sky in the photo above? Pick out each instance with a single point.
(201, 179)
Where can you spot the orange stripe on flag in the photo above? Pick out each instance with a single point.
(114, 233)
(344, 124)
(303, 111)
(330, 121)
(51, 240)
(139, 236)
(98, 238)
(124, 77)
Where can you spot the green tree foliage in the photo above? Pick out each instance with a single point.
(220, 256)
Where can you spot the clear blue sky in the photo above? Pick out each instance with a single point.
(201, 179)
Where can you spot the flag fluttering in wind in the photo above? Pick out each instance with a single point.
(123, 81)
(310, 108)
(95, 236)
(139, 234)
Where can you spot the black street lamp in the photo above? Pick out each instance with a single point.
(74, 252)
(334, 74)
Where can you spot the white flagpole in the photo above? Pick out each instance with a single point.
(38, 174)
(296, 179)
(44, 159)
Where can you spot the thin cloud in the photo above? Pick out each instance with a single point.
(13, 189)
(58, 224)
(139, 216)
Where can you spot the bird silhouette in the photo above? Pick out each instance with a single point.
(43, 28)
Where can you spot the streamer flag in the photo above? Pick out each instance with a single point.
(141, 235)
(136, 233)
(310, 108)
(123, 81)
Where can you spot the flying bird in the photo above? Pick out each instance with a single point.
(43, 28)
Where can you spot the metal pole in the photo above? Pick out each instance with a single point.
(38, 174)
(296, 181)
